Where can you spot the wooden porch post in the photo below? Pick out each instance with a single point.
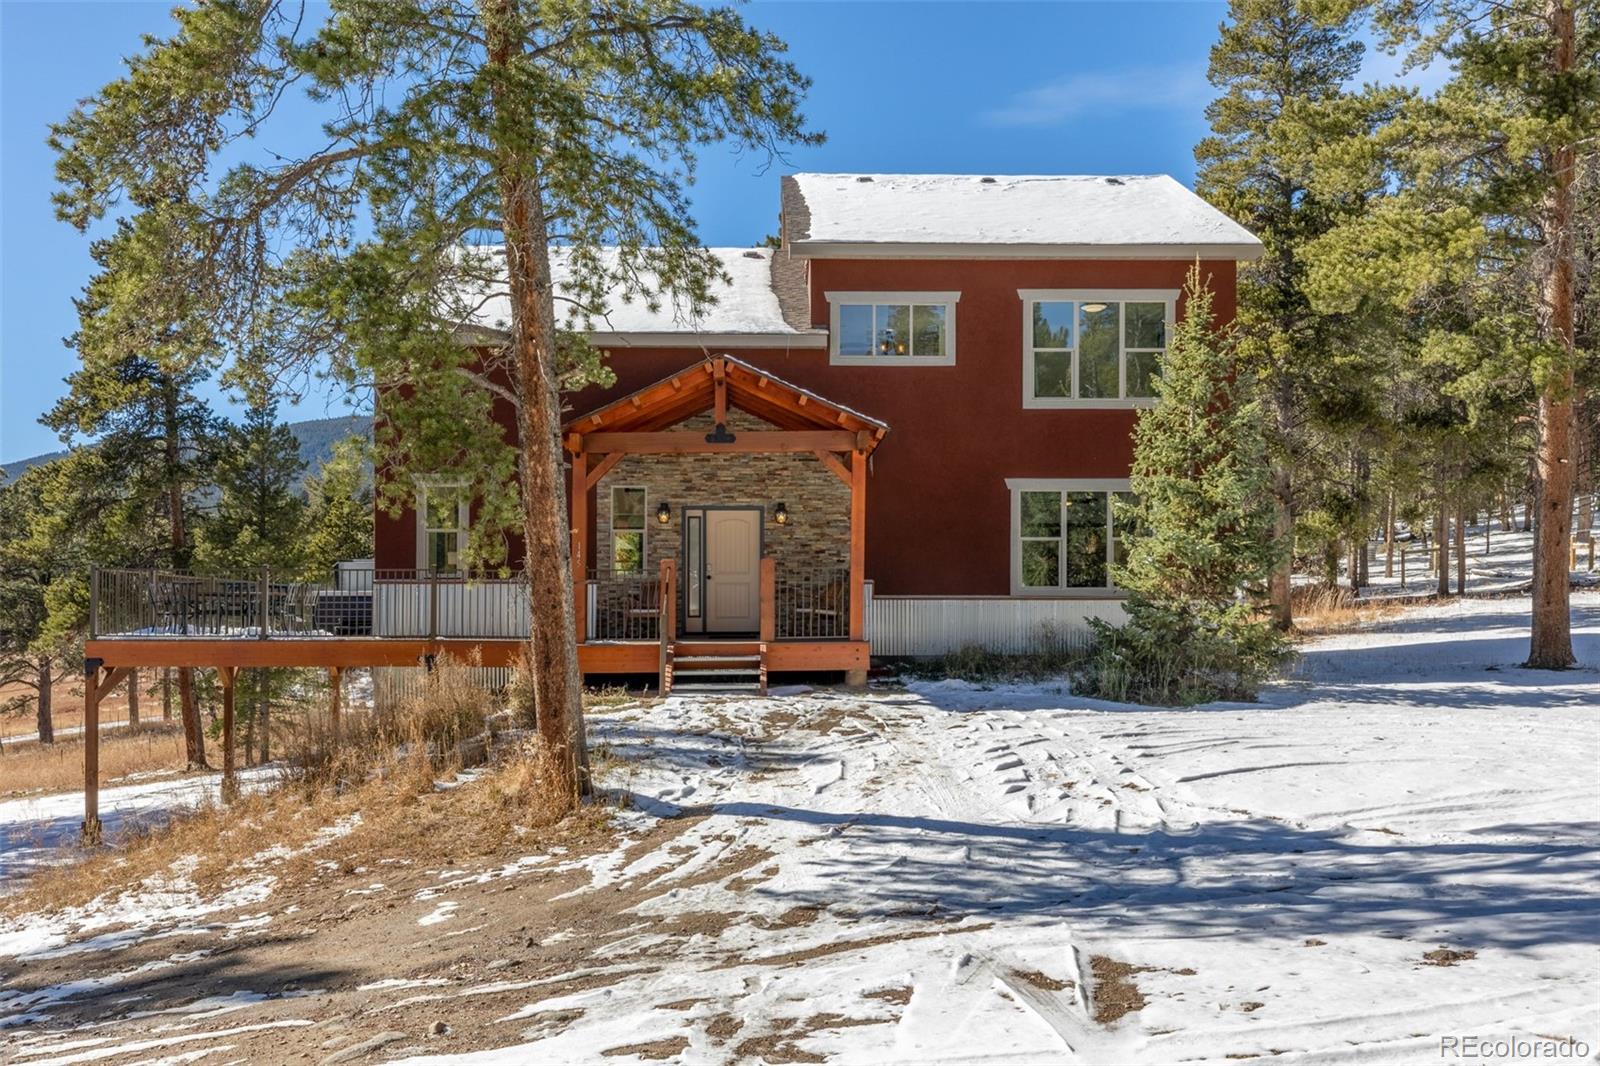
(858, 556)
(580, 544)
(230, 785)
(769, 599)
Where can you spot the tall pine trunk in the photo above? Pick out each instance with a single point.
(1441, 540)
(133, 700)
(557, 687)
(1461, 551)
(166, 694)
(1388, 537)
(194, 737)
(46, 723)
(264, 712)
(1550, 646)
(1279, 590)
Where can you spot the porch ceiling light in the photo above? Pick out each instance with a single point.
(780, 514)
(663, 512)
(1094, 308)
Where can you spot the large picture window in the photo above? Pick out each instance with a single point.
(442, 513)
(892, 328)
(1066, 535)
(1089, 348)
(627, 530)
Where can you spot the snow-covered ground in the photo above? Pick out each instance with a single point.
(1498, 562)
(33, 829)
(953, 873)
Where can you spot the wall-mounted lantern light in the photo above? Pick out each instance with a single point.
(663, 512)
(780, 514)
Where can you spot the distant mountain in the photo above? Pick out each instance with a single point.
(316, 436)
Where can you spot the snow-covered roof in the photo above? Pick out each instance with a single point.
(963, 215)
(746, 308)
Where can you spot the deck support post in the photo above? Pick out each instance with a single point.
(230, 784)
(580, 544)
(858, 557)
(91, 752)
(335, 698)
(97, 681)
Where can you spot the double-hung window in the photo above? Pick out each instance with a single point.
(1066, 535)
(627, 530)
(892, 328)
(442, 514)
(1093, 347)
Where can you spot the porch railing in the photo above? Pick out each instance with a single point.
(356, 602)
(624, 606)
(812, 604)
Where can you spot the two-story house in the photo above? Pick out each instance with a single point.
(898, 433)
(916, 410)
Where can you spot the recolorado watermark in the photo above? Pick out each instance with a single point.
(1512, 1048)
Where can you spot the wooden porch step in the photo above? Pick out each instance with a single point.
(728, 663)
(719, 648)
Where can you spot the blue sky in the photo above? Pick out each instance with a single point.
(1111, 87)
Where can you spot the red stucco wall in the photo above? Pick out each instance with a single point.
(938, 514)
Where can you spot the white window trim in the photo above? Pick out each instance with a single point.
(839, 299)
(643, 530)
(463, 518)
(1019, 485)
(1117, 296)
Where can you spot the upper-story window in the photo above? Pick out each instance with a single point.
(892, 328)
(1093, 347)
(442, 514)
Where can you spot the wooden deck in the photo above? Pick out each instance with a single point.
(595, 658)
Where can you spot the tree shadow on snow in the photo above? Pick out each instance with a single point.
(1256, 878)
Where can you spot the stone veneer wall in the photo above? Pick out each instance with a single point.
(817, 535)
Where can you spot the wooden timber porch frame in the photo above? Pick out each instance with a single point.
(638, 424)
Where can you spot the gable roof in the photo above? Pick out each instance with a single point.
(970, 215)
(746, 310)
(749, 388)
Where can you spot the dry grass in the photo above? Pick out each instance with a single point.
(58, 767)
(1319, 610)
(381, 777)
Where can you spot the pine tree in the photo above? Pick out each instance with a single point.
(33, 653)
(1283, 71)
(1201, 518)
(259, 516)
(571, 124)
(1479, 186)
(155, 442)
(339, 509)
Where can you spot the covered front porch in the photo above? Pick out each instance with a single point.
(725, 510)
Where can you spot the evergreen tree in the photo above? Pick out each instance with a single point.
(33, 653)
(1200, 546)
(573, 123)
(1480, 185)
(1283, 72)
(339, 509)
(259, 516)
(155, 445)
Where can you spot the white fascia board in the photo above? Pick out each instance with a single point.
(870, 250)
(817, 339)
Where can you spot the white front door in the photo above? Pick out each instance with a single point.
(733, 571)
